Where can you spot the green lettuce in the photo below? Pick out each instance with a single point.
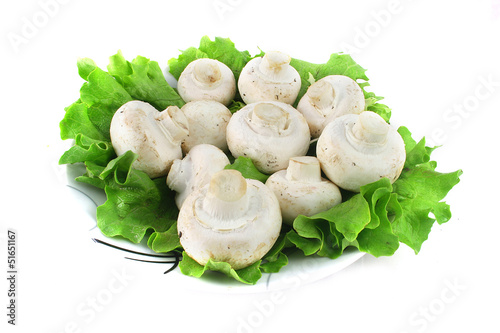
(383, 214)
(144, 80)
(224, 50)
(420, 190)
(135, 203)
(86, 149)
(221, 49)
(272, 262)
(247, 275)
(91, 115)
(376, 220)
(247, 169)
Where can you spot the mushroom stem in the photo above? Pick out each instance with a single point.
(207, 72)
(267, 115)
(177, 177)
(322, 95)
(370, 128)
(304, 169)
(226, 199)
(273, 62)
(174, 124)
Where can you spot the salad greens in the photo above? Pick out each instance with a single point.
(375, 221)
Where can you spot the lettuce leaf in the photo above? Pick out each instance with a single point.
(102, 95)
(91, 175)
(235, 106)
(420, 190)
(382, 215)
(87, 149)
(361, 221)
(339, 64)
(247, 275)
(76, 121)
(275, 259)
(247, 169)
(272, 262)
(135, 203)
(378, 238)
(222, 49)
(165, 241)
(144, 80)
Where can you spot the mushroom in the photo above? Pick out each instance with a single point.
(195, 170)
(269, 78)
(207, 124)
(207, 79)
(231, 219)
(154, 136)
(301, 190)
(355, 150)
(328, 98)
(269, 133)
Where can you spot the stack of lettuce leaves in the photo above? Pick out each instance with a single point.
(375, 221)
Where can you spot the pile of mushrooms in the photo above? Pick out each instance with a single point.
(223, 216)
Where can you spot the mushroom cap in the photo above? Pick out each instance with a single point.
(269, 133)
(328, 98)
(207, 124)
(195, 170)
(207, 79)
(269, 78)
(355, 150)
(154, 136)
(232, 219)
(301, 190)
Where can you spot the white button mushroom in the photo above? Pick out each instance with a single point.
(231, 219)
(155, 136)
(355, 150)
(207, 124)
(269, 133)
(195, 170)
(328, 98)
(301, 190)
(269, 78)
(207, 79)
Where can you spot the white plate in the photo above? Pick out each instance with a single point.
(300, 269)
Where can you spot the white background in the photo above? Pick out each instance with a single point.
(435, 62)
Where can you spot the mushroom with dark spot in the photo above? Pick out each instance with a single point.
(376, 146)
(270, 77)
